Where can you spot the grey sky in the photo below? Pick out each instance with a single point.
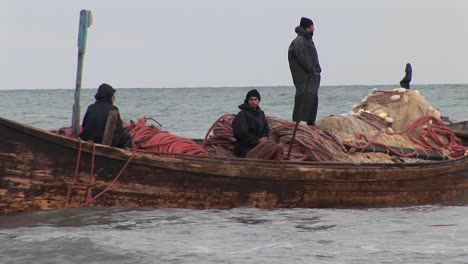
(174, 43)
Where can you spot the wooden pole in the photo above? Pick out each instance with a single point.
(110, 128)
(85, 22)
(292, 140)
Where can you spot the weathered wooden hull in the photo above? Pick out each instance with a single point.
(37, 170)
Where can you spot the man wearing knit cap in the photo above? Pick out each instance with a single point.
(95, 119)
(305, 71)
(249, 126)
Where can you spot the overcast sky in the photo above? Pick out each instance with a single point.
(210, 43)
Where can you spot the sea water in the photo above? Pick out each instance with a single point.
(424, 234)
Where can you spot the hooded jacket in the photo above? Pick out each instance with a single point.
(305, 70)
(95, 119)
(248, 126)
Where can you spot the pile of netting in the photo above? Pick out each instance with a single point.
(151, 138)
(396, 123)
(388, 126)
(310, 143)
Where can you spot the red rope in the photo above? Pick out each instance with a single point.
(151, 138)
(219, 120)
(421, 137)
(89, 188)
(91, 182)
(90, 200)
(75, 176)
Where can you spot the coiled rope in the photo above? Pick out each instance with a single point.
(151, 138)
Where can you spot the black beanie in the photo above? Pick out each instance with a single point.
(253, 93)
(306, 22)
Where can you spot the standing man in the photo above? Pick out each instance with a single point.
(95, 119)
(249, 126)
(305, 71)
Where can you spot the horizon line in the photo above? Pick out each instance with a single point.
(249, 86)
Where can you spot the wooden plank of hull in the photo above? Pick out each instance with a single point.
(36, 169)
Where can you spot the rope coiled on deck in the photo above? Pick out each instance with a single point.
(151, 138)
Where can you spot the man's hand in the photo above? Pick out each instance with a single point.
(262, 140)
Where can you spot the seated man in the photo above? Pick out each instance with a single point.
(95, 119)
(249, 126)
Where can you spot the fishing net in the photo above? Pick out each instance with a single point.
(399, 107)
(268, 150)
(310, 143)
(398, 118)
(387, 126)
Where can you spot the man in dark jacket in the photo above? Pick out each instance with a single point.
(249, 126)
(95, 119)
(305, 71)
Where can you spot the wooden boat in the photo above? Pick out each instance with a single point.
(37, 171)
(461, 130)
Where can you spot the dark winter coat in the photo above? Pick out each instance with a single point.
(248, 126)
(95, 119)
(305, 71)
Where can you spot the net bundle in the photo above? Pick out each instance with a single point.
(392, 120)
(310, 143)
